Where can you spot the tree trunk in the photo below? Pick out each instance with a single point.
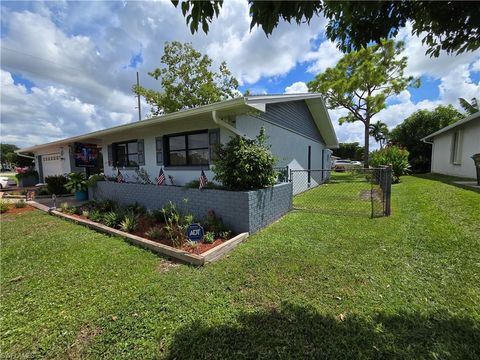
(366, 147)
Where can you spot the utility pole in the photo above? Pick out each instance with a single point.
(138, 100)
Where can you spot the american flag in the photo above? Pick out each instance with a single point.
(161, 177)
(203, 180)
(120, 178)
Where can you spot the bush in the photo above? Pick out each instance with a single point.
(195, 184)
(244, 164)
(95, 216)
(20, 204)
(213, 223)
(136, 209)
(111, 219)
(209, 237)
(76, 182)
(69, 209)
(43, 191)
(394, 156)
(155, 233)
(93, 179)
(56, 184)
(4, 206)
(26, 174)
(129, 223)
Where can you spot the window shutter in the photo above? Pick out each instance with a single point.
(110, 154)
(159, 150)
(141, 152)
(213, 140)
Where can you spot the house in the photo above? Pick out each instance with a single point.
(298, 126)
(453, 147)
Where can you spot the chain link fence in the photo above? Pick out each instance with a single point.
(356, 191)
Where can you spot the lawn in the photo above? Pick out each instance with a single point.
(312, 285)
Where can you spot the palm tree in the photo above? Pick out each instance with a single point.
(379, 131)
(470, 108)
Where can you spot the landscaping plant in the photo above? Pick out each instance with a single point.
(95, 215)
(111, 219)
(77, 181)
(213, 223)
(394, 156)
(56, 184)
(20, 204)
(4, 206)
(155, 233)
(209, 237)
(244, 164)
(129, 223)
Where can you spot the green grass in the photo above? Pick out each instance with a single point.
(309, 286)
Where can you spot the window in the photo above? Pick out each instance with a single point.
(188, 149)
(126, 153)
(456, 154)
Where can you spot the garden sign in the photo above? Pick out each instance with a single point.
(195, 232)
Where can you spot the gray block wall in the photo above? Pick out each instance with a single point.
(241, 211)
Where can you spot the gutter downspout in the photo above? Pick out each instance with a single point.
(227, 126)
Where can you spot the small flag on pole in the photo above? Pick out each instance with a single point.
(161, 177)
(120, 178)
(203, 180)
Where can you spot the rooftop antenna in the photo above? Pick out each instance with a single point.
(138, 100)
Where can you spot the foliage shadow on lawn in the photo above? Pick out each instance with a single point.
(296, 332)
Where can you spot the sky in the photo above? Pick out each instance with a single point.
(67, 68)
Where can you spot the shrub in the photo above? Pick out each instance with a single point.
(225, 235)
(213, 223)
(93, 179)
(103, 205)
(76, 182)
(20, 204)
(4, 206)
(86, 213)
(43, 191)
(244, 164)
(195, 184)
(394, 156)
(26, 174)
(56, 184)
(69, 209)
(136, 208)
(155, 233)
(209, 237)
(129, 223)
(111, 219)
(95, 216)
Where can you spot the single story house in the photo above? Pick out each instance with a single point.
(453, 147)
(298, 126)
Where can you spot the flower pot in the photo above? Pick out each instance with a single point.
(81, 195)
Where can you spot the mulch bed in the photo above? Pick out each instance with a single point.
(144, 226)
(13, 210)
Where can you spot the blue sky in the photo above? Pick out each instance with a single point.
(67, 68)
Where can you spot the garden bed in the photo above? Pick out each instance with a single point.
(187, 252)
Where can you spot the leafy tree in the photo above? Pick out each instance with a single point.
(396, 157)
(417, 126)
(469, 107)
(351, 151)
(361, 82)
(379, 131)
(187, 80)
(244, 164)
(451, 26)
(9, 157)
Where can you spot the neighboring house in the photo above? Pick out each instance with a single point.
(453, 147)
(298, 126)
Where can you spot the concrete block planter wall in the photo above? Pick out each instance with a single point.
(241, 211)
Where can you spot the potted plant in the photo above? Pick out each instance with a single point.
(26, 177)
(77, 184)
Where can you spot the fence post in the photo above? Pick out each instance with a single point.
(388, 189)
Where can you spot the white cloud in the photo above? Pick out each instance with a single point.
(327, 55)
(298, 87)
